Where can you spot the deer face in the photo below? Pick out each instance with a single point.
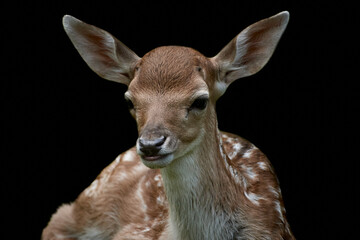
(172, 90)
(170, 99)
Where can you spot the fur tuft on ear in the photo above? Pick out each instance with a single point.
(103, 53)
(250, 50)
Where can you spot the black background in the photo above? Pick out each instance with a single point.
(62, 124)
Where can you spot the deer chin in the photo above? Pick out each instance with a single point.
(157, 161)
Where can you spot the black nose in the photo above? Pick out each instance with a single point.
(150, 147)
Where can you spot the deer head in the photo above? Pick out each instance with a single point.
(172, 90)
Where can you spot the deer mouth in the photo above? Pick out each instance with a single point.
(157, 161)
(153, 158)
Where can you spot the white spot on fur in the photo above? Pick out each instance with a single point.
(139, 167)
(157, 177)
(117, 159)
(235, 150)
(227, 138)
(103, 178)
(250, 172)
(262, 165)
(254, 198)
(274, 191)
(92, 189)
(231, 170)
(222, 135)
(129, 156)
(235, 145)
(158, 180)
(244, 182)
(138, 231)
(139, 195)
(160, 200)
(146, 230)
(278, 209)
(248, 153)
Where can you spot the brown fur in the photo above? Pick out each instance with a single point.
(116, 207)
(216, 185)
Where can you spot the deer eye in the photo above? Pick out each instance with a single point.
(199, 104)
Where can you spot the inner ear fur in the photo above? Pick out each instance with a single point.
(250, 50)
(103, 53)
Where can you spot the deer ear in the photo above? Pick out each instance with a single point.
(102, 52)
(250, 50)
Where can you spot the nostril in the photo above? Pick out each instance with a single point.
(153, 142)
(160, 141)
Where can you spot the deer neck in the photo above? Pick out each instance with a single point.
(198, 190)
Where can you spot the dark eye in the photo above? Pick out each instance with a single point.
(129, 103)
(199, 103)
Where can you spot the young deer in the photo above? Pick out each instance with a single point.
(184, 179)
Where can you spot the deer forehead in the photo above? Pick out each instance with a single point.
(173, 71)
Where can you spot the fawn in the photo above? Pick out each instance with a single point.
(184, 179)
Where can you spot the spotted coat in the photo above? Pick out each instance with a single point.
(127, 182)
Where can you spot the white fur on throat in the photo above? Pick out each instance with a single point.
(194, 211)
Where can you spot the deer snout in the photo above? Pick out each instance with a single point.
(151, 147)
(156, 147)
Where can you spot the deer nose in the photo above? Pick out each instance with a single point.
(151, 147)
